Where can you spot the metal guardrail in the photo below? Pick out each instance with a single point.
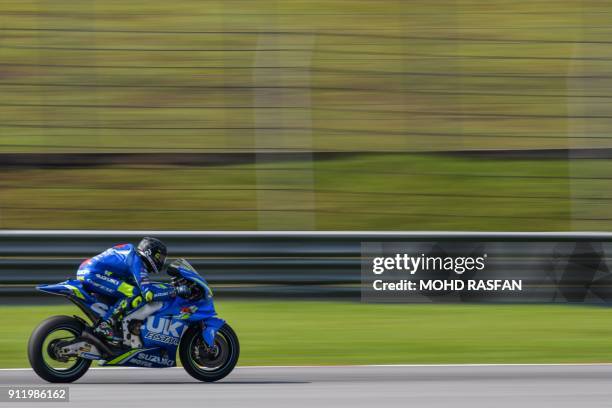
(310, 264)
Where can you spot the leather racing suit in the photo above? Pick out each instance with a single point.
(120, 273)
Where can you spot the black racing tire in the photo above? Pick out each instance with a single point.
(228, 347)
(36, 344)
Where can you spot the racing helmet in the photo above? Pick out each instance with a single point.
(153, 253)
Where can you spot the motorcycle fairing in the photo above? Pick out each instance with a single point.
(70, 287)
(154, 357)
(202, 311)
(161, 332)
(171, 321)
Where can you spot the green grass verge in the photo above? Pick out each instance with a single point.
(378, 192)
(317, 333)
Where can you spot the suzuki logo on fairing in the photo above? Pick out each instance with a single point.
(164, 326)
(156, 359)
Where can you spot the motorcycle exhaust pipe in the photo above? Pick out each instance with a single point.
(107, 351)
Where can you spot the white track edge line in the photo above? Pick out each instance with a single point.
(370, 365)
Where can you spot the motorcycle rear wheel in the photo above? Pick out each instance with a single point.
(42, 355)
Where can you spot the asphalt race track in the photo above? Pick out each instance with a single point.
(358, 386)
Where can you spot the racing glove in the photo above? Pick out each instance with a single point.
(183, 291)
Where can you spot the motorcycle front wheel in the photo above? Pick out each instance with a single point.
(205, 363)
(43, 353)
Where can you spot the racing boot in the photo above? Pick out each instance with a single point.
(105, 330)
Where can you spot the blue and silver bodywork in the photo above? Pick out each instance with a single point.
(162, 330)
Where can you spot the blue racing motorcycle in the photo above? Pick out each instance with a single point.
(62, 348)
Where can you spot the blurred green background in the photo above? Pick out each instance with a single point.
(305, 115)
(317, 115)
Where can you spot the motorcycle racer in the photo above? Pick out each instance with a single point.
(122, 273)
(155, 335)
